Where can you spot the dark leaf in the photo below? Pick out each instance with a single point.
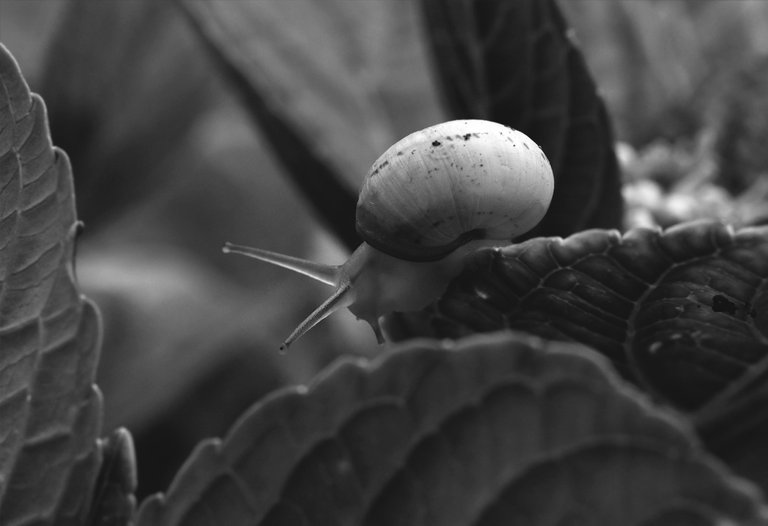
(736, 430)
(281, 81)
(515, 63)
(495, 429)
(683, 313)
(49, 334)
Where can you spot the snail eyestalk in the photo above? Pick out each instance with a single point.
(328, 274)
(339, 299)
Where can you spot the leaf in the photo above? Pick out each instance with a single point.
(123, 126)
(49, 334)
(309, 62)
(494, 429)
(739, 126)
(683, 312)
(669, 58)
(515, 63)
(311, 172)
(736, 431)
(311, 77)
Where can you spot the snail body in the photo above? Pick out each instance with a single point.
(429, 200)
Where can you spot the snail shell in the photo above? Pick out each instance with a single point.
(451, 183)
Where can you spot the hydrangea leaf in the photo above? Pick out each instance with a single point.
(682, 312)
(322, 120)
(516, 63)
(49, 334)
(493, 429)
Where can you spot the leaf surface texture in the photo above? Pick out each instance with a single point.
(682, 312)
(494, 429)
(50, 412)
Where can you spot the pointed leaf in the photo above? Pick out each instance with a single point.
(310, 63)
(494, 429)
(515, 63)
(320, 118)
(683, 312)
(113, 497)
(49, 334)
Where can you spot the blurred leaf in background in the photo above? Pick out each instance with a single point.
(348, 75)
(124, 86)
(328, 97)
(657, 62)
(684, 85)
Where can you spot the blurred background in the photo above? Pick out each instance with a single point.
(168, 166)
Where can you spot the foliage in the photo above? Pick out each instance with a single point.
(49, 334)
(661, 305)
(483, 431)
(622, 376)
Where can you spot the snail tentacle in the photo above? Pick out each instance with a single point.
(328, 274)
(341, 297)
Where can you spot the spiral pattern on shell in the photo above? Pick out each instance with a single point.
(451, 183)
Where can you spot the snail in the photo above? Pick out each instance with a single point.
(429, 200)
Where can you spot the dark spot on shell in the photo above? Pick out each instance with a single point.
(722, 304)
(436, 143)
(467, 136)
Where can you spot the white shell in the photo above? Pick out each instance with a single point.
(443, 186)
